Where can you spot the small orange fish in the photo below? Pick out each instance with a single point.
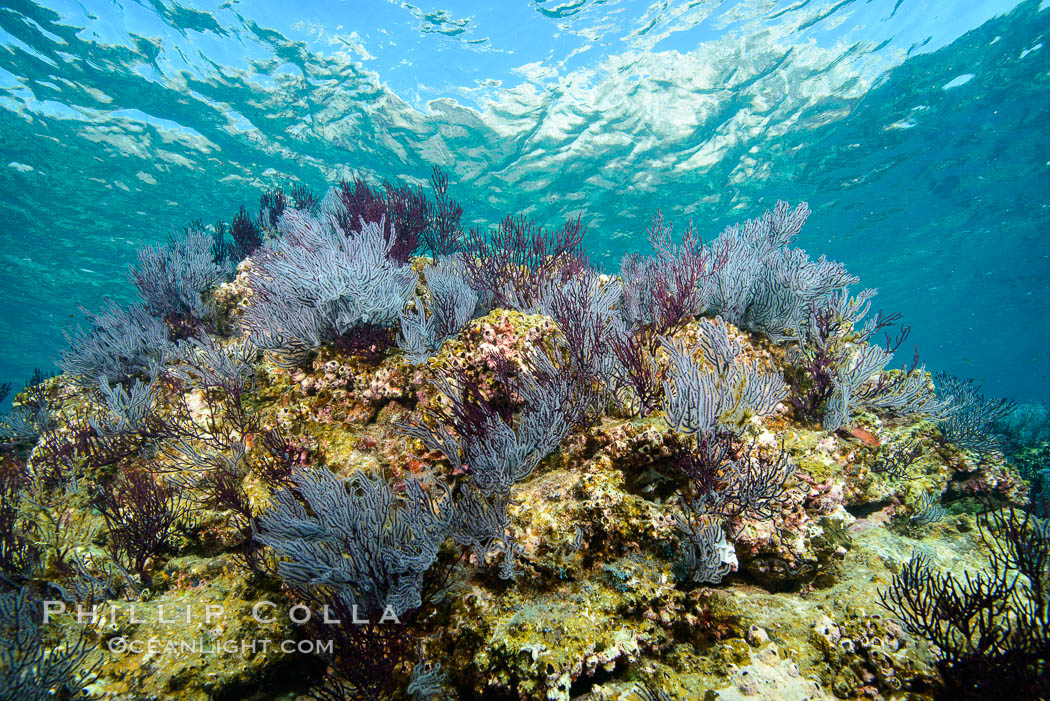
(864, 436)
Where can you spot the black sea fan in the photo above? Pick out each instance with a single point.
(992, 629)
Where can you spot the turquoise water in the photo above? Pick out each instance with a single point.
(915, 130)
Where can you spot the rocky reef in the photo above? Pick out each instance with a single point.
(507, 476)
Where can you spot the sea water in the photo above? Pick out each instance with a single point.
(916, 130)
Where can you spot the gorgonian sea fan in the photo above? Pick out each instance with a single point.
(722, 395)
(497, 443)
(838, 371)
(32, 666)
(314, 285)
(970, 420)
(410, 219)
(764, 285)
(121, 344)
(672, 286)
(989, 627)
(378, 544)
(247, 236)
(585, 310)
(449, 306)
(517, 260)
(173, 280)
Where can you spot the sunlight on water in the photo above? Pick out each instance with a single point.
(913, 129)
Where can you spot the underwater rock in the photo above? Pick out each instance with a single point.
(568, 579)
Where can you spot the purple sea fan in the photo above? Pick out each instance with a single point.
(314, 285)
(768, 287)
(859, 381)
(32, 666)
(403, 213)
(174, 280)
(706, 555)
(989, 628)
(271, 206)
(971, 417)
(517, 260)
(247, 236)
(838, 371)
(728, 480)
(445, 234)
(635, 375)
(720, 398)
(674, 285)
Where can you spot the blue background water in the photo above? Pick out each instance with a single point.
(916, 131)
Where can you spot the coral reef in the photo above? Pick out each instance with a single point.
(496, 473)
